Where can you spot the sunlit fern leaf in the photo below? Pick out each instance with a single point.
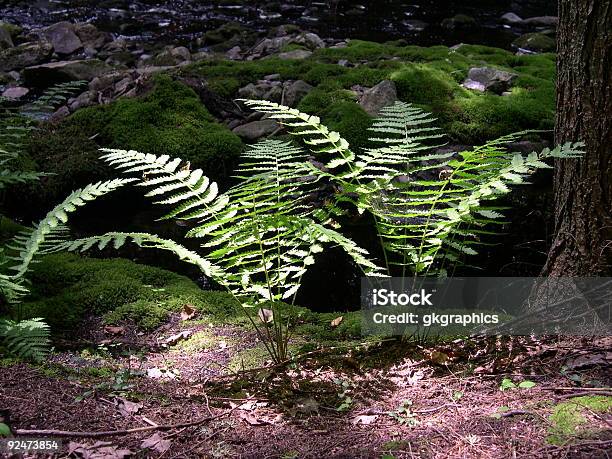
(27, 339)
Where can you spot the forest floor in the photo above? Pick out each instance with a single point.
(182, 396)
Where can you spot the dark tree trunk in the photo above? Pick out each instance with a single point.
(583, 188)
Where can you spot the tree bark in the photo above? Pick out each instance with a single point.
(583, 188)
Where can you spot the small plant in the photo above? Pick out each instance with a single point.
(507, 384)
(346, 401)
(404, 415)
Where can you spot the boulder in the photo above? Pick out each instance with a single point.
(234, 54)
(25, 55)
(270, 45)
(256, 129)
(535, 43)
(511, 18)
(63, 37)
(252, 91)
(294, 92)
(542, 21)
(6, 41)
(297, 54)
(59, 72)
(85, 99)
(379, 96)
(91, 37)
(489, 79)
(310, 40)
(15, 93)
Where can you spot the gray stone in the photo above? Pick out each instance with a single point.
(542, 21)
(459, 21)
(91, 37)
(297, 54)
(25, 55)
(489, 79)
(294, 92)
(344, 63)
(181, 52)
(256, 129)
(57, 72)
(511, 18)
(414, 25)
(310, 40)
(270, 45)
(234, 54)
(273, 77)
(59, 114)
(15, 93)
(63, 38)
(6, 41)
(86, 99)
(379, 96)
(251, 91)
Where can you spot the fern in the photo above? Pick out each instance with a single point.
(423, 223)
(259, 237)
(27, 339)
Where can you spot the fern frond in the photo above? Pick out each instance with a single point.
(57, 217)
(27, 339)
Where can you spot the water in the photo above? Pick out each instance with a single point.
(417, 21)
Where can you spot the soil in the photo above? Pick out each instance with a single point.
(389, 399)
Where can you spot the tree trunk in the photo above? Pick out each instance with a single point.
(583, 188)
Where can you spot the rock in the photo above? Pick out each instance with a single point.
(59, 114)
(536, 43)
(106, 81)
(542, 21)
(85, 99)
(6, 41)
(344, 63)
(91, 37)
(59, 72)
(272, 77)
(310, 40)
(270, 46)
(297, 54)
(489, 79)
(181, 52)
(13, 30)
(459, 21)
(251, 91)
(63, 38)
(526, 146)
(168, 57)
(294, 92)
(15, 93)
(414, 25)
(381, 95)
(234, 54)
(256, 129)
(25, 55)
(275, 94)
(511, 18)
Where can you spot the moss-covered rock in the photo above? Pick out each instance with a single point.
(169, 120)
(429, 77)
(536, 42)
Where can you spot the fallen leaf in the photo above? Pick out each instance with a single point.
(337, 321)
(439, 358)
(157, 373)
(156, 443)
(365, 419)
(252, 420)
(114, 330)
(127, 408)
(188, 312)
(172, 340)
(265, 315)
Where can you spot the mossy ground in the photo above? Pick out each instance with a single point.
(569, 419)
(428, 77)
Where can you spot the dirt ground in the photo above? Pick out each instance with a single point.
(385, 400)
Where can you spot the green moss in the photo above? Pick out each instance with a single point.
(425, 85)
(66, 288)
(199, 341)
(8, 228)
(169, 120)
(568, 420)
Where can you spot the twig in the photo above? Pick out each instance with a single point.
(108, 433)
(582, 393)
(583, 389)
